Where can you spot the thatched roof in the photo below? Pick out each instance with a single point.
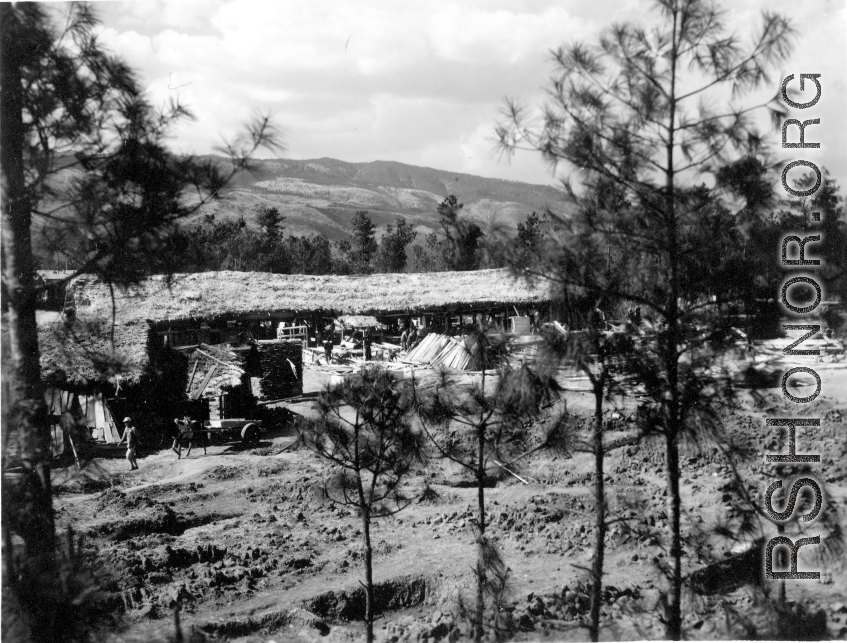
(80, 351)
(219, 294)
(67, 354)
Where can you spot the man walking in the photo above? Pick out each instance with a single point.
(185, 438)
(131, 437)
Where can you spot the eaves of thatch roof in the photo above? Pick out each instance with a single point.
(82, 352)
(214, 295)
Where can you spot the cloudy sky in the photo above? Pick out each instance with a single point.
(420, 82)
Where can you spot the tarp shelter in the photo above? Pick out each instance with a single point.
(87, 410)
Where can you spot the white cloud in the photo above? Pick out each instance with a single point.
(416, 82)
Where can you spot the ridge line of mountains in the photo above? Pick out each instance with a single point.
(321, 196)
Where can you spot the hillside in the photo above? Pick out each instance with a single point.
(321, 195)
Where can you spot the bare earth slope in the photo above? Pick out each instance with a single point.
(244, 543)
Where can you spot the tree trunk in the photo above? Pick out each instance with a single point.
(672, 429)
(480, 563)
(600, 518)
(369, 575)
(674, 616)
(365, 508)
(27, 505)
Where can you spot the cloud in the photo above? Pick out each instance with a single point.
(418, 82)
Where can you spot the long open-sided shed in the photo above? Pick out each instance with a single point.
(217, 307)
(116, 335)
(121, 341)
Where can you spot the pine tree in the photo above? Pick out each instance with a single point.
(634, 111)
(391, 256)
(66, 104)
(364, 246)
(475, 425)
(374, 451)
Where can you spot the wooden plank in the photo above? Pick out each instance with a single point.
(509, 471)
(220, 361)
(196, 395)
(193, 371)
(99, 415)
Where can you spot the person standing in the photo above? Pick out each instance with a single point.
(404, 339)
(366, 341)
(328, 349)
(413, 337)
(131, 437)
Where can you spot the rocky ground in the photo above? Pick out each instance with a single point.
(243, 543)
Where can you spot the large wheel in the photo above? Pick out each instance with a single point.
(250, 434)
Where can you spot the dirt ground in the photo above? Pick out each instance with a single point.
(242, 541)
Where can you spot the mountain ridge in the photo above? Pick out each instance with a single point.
(322, 195)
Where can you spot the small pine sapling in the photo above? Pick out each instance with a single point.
(365, 429)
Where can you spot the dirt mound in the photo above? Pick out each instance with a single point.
(155, 518)
(570, 604)
(70, 480)
(179, 488)
(224, 472)
(286, 620)
(118, 501)
(393, 595)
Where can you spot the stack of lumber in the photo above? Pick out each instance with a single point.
(281, 369)
(448, 352)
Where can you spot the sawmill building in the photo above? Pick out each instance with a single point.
(197, 336)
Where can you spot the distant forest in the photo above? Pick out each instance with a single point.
(232, 244)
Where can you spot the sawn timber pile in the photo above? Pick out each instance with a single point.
(441, 350)
(281, 368)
